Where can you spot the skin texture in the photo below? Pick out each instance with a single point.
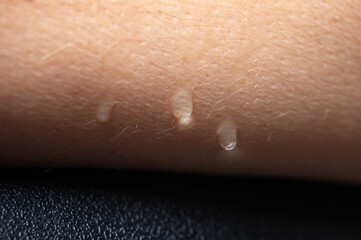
(286, 73)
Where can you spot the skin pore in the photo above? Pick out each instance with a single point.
(97, 83)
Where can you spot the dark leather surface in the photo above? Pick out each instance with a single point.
(104, 204)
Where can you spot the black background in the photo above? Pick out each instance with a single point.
(114, 204)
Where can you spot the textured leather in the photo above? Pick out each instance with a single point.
(104, 204)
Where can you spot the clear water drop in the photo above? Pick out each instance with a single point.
(182, 105)
(104, 109)
(227, 135)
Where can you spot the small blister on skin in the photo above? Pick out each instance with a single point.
(227, 135)
(182, 105)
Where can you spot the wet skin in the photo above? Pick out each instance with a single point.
(92, 83)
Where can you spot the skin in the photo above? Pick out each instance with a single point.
(287, 73)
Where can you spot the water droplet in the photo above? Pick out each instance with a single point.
(227, 135)
(182, 105)
(104, 109)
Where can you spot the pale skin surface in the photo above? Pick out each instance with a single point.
(288, 74)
